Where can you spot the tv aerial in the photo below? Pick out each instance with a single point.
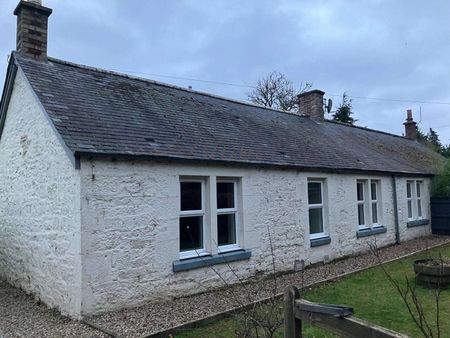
(328, 105)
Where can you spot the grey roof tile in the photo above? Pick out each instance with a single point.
(100, 112)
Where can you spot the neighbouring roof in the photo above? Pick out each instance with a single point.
(104, 113)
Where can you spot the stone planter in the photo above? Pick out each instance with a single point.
(431, 273)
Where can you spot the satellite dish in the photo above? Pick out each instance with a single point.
(329, 105)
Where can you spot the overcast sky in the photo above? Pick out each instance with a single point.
(397, 50)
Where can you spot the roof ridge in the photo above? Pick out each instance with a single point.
(164, 84)
(366, 129)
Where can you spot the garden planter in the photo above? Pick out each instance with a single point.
(432, 273)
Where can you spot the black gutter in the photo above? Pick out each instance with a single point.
(396, 219)
(169, 159)
(7, 91)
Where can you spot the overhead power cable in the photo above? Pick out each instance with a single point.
(252, 87)
(186, 79)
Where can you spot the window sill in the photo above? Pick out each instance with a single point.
(370, 231)
(320, 241)
(199, 262)
(417, 223)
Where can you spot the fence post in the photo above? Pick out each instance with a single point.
(292, 325)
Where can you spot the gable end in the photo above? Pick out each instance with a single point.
(13, 68)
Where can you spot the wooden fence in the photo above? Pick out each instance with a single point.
(336, 319)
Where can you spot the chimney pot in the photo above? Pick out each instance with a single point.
(311, 104)
(32, 28)
(409, 115)
(410, 126)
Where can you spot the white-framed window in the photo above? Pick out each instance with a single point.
(375, 202)
(419, 198)
(414, 190)
(227, 215)
(192, 218)
(368, 196)
(208, 223)
(316, 208)
(409, 198)
(361, 197)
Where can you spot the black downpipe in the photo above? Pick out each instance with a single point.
(397, 225)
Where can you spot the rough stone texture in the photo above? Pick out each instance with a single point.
(130, 227)
(39, 206)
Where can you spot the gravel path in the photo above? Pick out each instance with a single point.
(156, 317)
(22, 316)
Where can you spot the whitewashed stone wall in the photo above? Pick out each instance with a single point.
(405, 232)
(39, 206)
(130, 226)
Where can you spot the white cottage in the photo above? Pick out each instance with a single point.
(116, 190)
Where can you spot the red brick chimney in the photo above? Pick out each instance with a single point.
(32, 28)
(410, 126)
(311, 104)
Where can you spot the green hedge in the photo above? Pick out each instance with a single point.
(441, 183)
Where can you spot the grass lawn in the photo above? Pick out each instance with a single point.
(372, 297)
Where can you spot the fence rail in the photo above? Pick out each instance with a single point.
(332, 318)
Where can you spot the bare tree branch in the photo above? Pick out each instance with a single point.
(276, 91)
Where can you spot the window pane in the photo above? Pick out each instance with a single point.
(360, 191)
(418, 189)
(408, 189)
(410, 215)
(191, 196)
(361, 214)
(373, 190)
(225, 195)
(419, 208)
(226, 229)
(191, 233)
(314, 193)
(375, 213)
(315, 221)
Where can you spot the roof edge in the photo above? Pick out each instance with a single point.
(80, 154)
(7, 91)
(367, 129)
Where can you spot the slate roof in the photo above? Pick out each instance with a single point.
(104, 113)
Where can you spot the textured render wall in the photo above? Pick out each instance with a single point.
(39, 206)
(130, 227)
(410, 233)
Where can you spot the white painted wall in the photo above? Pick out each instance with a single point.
(39, 206)
(130, 226)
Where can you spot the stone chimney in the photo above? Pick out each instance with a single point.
(311, 104)
(32, 23)
(410, 126)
